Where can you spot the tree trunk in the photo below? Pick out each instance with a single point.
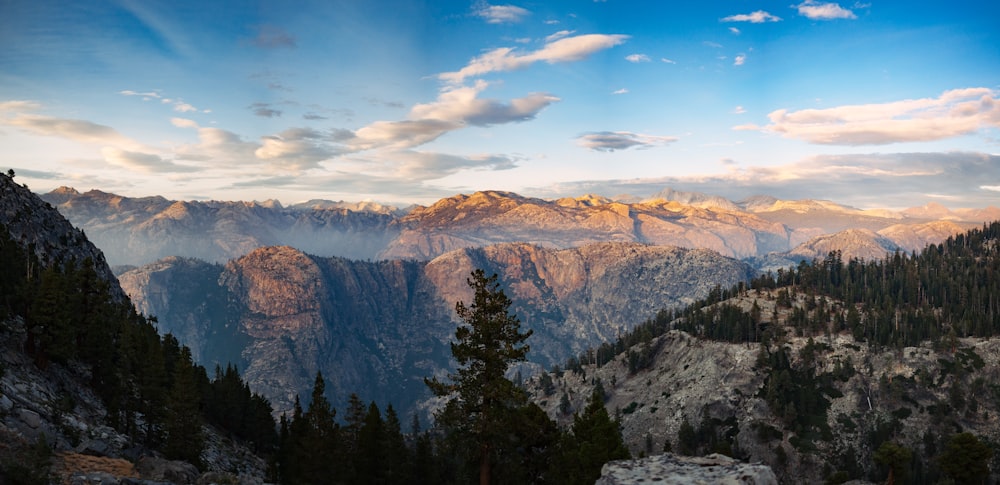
(485, 466)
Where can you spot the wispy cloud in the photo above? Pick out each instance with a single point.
(559, 35)
(455, 108)
(500, 14)
(264, 110)
(757, 17)
(620, 91)
(954, 113)
(667, 61)
(567, 49)
(141, 162)
(734, 31)
(609, 141)
(823, 11)
(714, 45)
(637, 58)
(740, 59)
(739, 110)
(271, 37)
(893, 180)
(177, 104)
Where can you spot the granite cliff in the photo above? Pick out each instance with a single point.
(379, 328)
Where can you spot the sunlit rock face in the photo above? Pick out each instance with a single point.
(378, 328)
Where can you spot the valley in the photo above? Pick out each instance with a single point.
(607, 289)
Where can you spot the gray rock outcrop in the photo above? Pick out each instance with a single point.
(670, 469)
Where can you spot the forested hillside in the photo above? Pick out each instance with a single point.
(67, 316)
(827, 371)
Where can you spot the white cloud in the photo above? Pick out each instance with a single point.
(178, 104)
(739, 110)
(17, 106)
(82, 131)
(499, 14)
(636, 58)
(609, 141)
(183, 123)
(455, 108)
(620, 91)
(559, 35)
(139, 161)
(757, 17)
(567, 49)
(295, 149)
(417, 165)
(824, 11)
(463, 105)
(734, 30)
(714, 45)
(740, 59)
(954, 113)
(146, 96)
(668, 61)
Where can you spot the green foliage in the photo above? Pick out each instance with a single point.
(482, 401)
(966, 459)
(152, 389)
(897, 458)
(593, 440)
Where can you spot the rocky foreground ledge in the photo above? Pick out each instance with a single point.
(677, 470)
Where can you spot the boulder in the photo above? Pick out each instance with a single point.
(180, 472)
(682, 470)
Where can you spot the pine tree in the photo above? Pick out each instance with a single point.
(594, 440)
(184, 439)
(966, 459)
(482, 400)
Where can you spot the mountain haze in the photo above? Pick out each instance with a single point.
(136, 231)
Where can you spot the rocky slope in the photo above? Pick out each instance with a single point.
(379, 328)
(917, 394)
(52, 409)
(34, 224)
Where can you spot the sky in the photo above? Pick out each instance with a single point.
(880, 104)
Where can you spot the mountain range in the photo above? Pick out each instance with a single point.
(365, 293)
(137, 231)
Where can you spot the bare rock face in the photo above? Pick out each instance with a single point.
(852, 243)
(485, 218)
(671, 469)
(379, 328)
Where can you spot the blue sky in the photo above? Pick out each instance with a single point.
(874, 104)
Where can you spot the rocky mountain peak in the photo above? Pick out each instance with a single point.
(38, 226)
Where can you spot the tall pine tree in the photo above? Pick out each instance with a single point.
(482, 401)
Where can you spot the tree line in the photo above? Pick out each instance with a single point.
(486, 430)
(152, 389)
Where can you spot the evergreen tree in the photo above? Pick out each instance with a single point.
(184, 439)
(482, 401)
(397, 457)
(594, 440)
(369, 456)
(966, 459)
(897, 458)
